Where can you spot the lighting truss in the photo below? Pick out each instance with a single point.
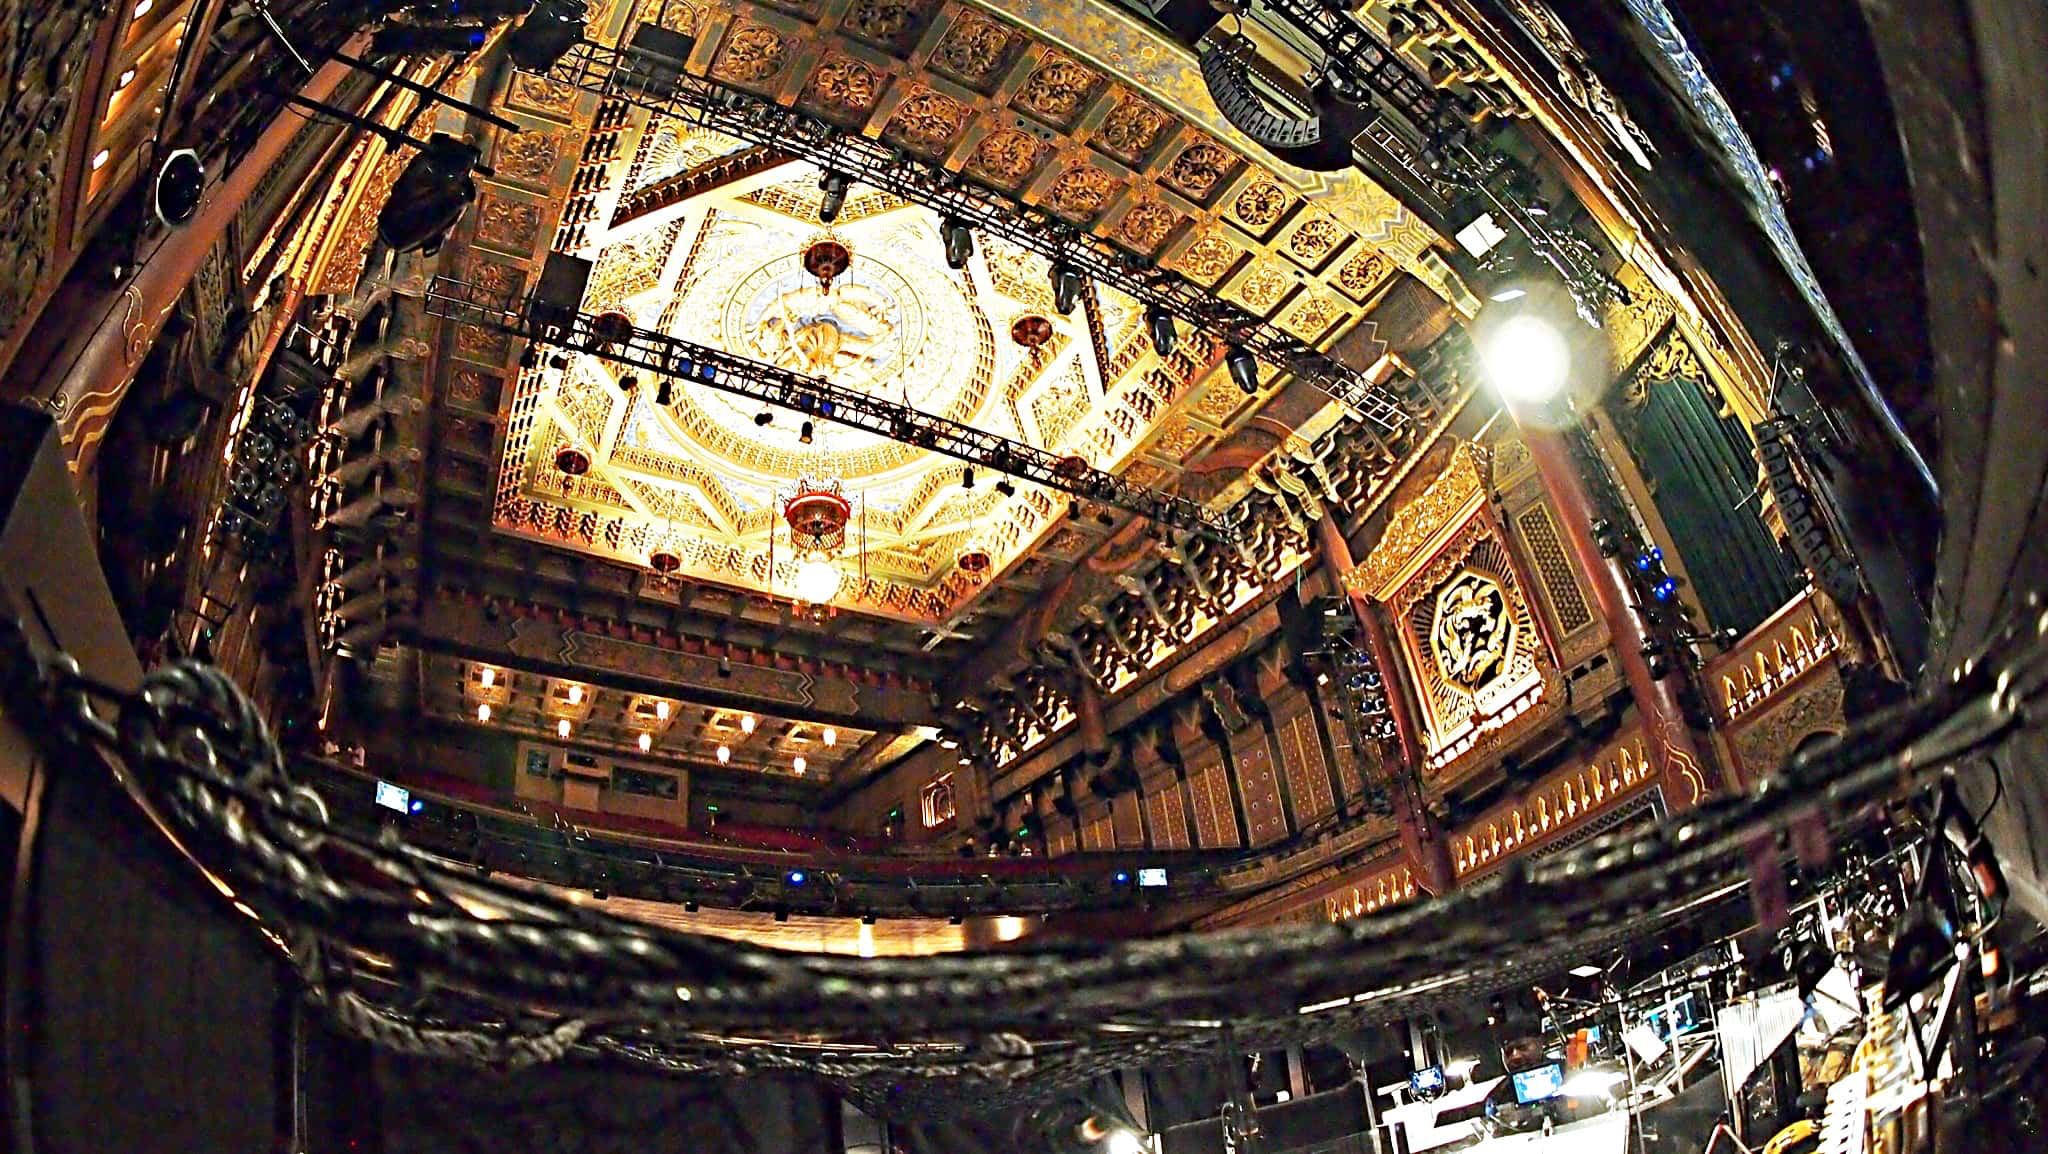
(1454, 160)
(682, 360)
(649, 74)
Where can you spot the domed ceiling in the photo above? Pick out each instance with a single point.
(702, 478)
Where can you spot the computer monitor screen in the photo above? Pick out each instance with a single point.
(1152, 877)
(1540, 1083)
(1673, 1018)
(394, 797)
(1428, 1080)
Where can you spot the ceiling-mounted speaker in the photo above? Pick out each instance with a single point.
(179, 187)
(546, 34)
(1244, 369)
(430, 195)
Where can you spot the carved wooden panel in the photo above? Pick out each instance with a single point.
(1215, 814)
(1265, 816)
(1167, 818)
(1059, 836)
(1127, 819)
(1301, 753)
(1096, 833)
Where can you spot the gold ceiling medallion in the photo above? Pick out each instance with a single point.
(1473, 631)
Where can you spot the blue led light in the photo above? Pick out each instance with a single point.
(795, 877)
(707, 372)
(418, 805)
(1656, 554)
(1122, 877)
(1643, 562)
(685, 367)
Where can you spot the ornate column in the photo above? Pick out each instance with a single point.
(1424, 842)
(86, 363)
(1684, 774)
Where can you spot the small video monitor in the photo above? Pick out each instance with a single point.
(1152, 878)
(394, 797)
(1428, 1080)
(1538, 1084)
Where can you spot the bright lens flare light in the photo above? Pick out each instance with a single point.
(1124, 1141)
(817, 581)
(1527, 360)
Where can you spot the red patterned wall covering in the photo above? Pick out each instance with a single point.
(1167, 817)
(1301, 756)
(1215, 821)
(1127, 817)
(1265, 816)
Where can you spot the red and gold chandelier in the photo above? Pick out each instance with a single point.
(817, 513)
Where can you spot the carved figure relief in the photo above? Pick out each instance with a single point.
(1472, 631)
(928, 121)
(1057, 89)
(1007, 157)
(752, 54)
(1200, 168)
(974, 50)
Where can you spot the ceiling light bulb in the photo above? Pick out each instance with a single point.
(1527, 360)
(800, 765)
(562, 728)
(487, 678)
(661, 710)
(724, 754)
(831, 738)
(817, 581)
(575, 695)
(746, 723)
(483, 711)
(1123, 1140)
(646, 742)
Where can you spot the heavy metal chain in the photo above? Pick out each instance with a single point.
(422, 955)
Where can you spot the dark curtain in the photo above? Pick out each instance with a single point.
(1702, 471)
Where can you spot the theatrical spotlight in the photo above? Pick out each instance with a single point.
(1004, 487)
(805, 434)
(1159, 323)
(665, 393)
(834, 186)
(546, 34)
(1066, 288)
(1244, 369)
(959, 242)
(430, 195)
(1526, 359)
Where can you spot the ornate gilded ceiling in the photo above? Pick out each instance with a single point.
(1072, 107)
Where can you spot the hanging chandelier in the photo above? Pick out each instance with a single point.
(826, 258)
(817, 514)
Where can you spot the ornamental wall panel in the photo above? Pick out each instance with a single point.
(1166, 817)
(1215, 813)
(1258, 781)
(1301, 756)
(1127, 821)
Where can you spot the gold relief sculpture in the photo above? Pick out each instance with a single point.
(1218, 402)
(887, 22)
(1080, 192)
(1007, 157)
(1461, 484)
(1200, 168)
(674, 15)
(1206, 260)
(1131, 128)
(497, 280)
(927, 121)
(1179, 441)
(843, 85)
(476, 343)
(468, 388)
(1147, 226)
(507, 225)
(541, 94)
(530, 157)
(1472, 631)
(974, 48)
(752, 54)
(1315, 240)
(1554, 807)
(1671, 359)
(1364, 272)
(1058, 88)
(1263, 286)
(1260, 205)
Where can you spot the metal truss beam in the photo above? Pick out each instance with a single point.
(649, 74)
(681, 360)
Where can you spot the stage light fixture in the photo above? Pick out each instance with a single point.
(959, 240)
(1526, 360)
(628, 383)
(180, 186)
(665, 393)
(430, 195)
(1004, 487)
(546, 34)
(1066, 288)
(530, 358)
(1159, 323)
(558, 361)
(834, 186)
(967, 478)
(804, 437)
(1244, 370)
